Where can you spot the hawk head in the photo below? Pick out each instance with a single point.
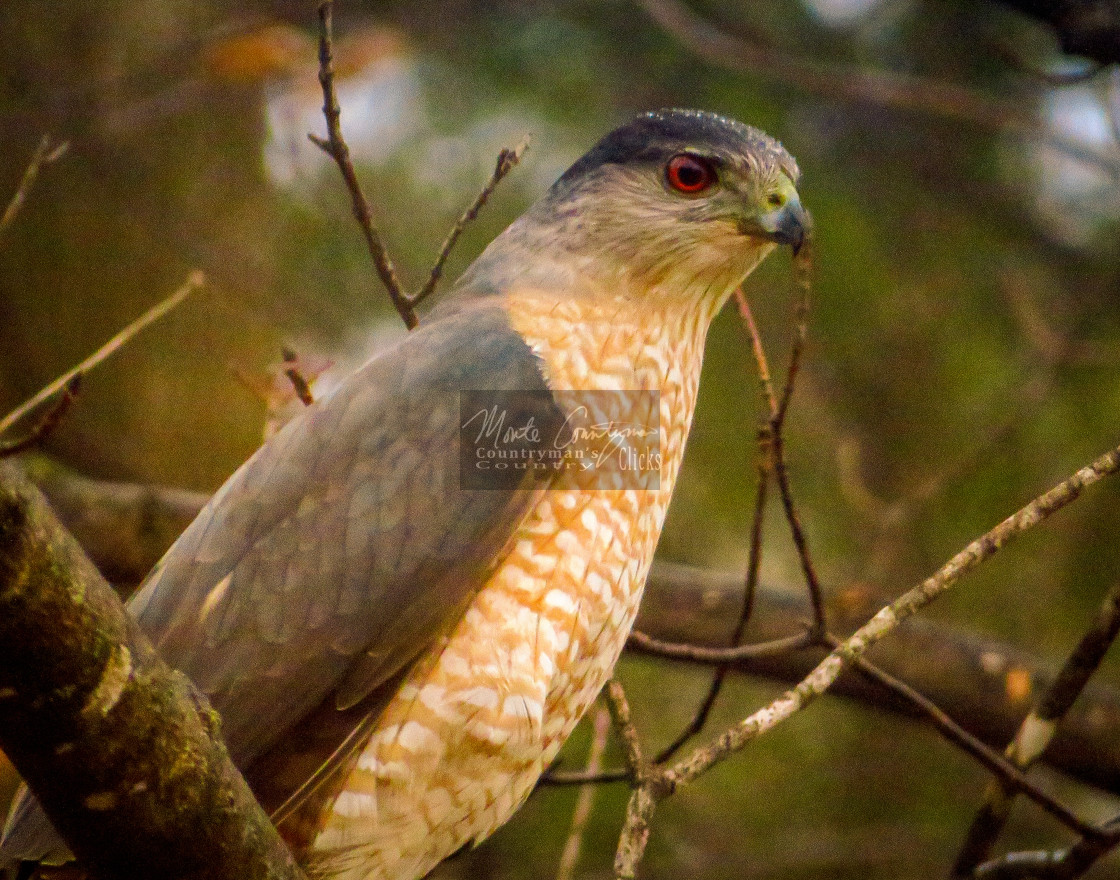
(677, 203)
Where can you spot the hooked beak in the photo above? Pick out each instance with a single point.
(788, 224)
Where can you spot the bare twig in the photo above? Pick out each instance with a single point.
(802, 276)
(882, 88)
(644, 644)
(1037, 731)
(1064, 864)
(584, 777)
(600, 727)
(1012, 776)
(653, 784)
(620, 714)
(650, 786)
(299, 382)
(888, 618)
(45, 154)
(765, 469)
(507, 160)
(765, 382)
(194, 281)
(47, 423)
(335, 146)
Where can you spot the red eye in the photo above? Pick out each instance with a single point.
(689, 174)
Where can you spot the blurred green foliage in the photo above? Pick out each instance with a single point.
(963, 356)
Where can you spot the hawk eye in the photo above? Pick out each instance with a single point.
(689, 174)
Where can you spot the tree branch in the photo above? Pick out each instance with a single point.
(858, 85)
(194, 281)
(982, 683)
(334, 145)
(123, 753)
(1038, 730)
(45, 154)
(1090, 28)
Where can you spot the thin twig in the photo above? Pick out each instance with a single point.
(600, 727)
(194, 281)
(754, 558)
(620, 714)
(650, 786)
(1037, 731)
(1063, 864)
(45, 154)
(507, 160)
(643, 644)
(299, 382)
(802, 277)
(779, 408)
(48, 422)
(888, 618)
(883, 88)
(992, 760)
(654, 784)
(335, 146)
(765, 382)
(583, 777)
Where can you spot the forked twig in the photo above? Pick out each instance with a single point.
(802, 276)
(1012, 776)
(507, 160)
(45, 154)
(644, 643)
(334, 145)
(1037, 731)
(771, 463)
(656, 783)
(194, 281)
(888, 618)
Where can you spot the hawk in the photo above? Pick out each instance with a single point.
(398, 652)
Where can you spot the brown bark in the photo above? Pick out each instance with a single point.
(983, 684)
(123, 753)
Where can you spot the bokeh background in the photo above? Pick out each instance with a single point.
(964, 344)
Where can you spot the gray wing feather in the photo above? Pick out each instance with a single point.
(344, 546)
(346, 540)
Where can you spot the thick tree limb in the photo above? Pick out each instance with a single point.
(123, 753)
(985, 685)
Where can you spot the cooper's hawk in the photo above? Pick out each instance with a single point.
(397, 655)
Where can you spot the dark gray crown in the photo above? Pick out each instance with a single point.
(653, 137)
